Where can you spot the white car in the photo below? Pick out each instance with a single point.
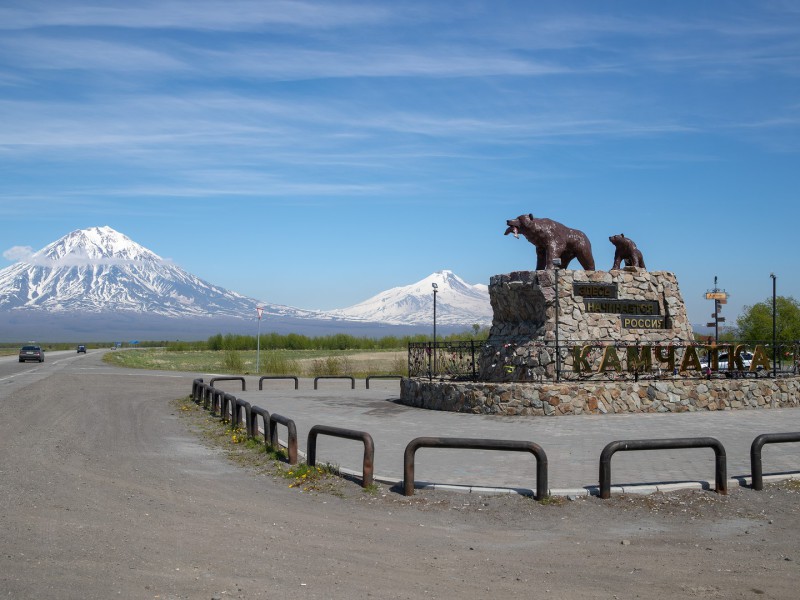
(746, 356)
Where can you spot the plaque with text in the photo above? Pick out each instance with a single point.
(594, 290)
(643, 322)
(622, 307)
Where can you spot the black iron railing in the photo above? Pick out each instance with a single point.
(514, 359)
(453, 360)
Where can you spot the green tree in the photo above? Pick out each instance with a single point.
(755, 322)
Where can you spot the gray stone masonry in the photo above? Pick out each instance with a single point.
(522, 337)
(583, 397)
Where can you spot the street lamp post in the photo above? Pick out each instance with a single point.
(556, 266)
(259, 310)
(774, 313)
(435, 291)
(716, 322)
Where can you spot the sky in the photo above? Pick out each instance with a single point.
(314, 154)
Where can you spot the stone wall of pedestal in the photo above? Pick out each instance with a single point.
(590, 397)
(628, 306)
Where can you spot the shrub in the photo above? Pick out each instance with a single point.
(272, 362)
(331, 366)
(400, 366)
(232, 361)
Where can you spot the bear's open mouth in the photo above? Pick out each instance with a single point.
(513, 230)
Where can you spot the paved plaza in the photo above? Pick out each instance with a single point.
(572, 443)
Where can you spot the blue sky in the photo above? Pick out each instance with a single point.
(316, 153)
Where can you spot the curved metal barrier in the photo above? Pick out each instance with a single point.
(720, 475)
(255, 412)
(198, 391)
(352, 379)
(227, 407)
(291, 442)
(382, 377)
(197, 387)
(350, 434)
(475, 444)
(215, 379)
(756, 468)
(217, 398)
(261, 380)
(208, 392)
(239, 407)
(238, 411)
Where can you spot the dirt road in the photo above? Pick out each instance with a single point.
(106, 492)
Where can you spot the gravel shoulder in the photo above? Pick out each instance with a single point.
(111, 488)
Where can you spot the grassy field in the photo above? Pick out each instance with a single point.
(302, 363)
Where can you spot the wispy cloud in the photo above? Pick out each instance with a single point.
(231, 15)
(64, 52)
(18, 253)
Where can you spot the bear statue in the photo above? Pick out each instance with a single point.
(626, 250)
(553, 240)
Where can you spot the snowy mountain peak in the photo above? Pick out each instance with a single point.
(99, 270)
(457, 303)
(95, 245)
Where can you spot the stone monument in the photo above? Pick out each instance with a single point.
(569, 342)
(620, 306)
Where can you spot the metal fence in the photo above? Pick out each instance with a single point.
(453, 360)
(204, 394)
(515, 359)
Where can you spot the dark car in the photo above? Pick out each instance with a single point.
(82, 348)
(31, 353)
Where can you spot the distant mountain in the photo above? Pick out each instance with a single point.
(100, 270)
(457, 303)
(99, 279)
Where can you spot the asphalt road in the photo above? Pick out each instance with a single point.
(105, 493)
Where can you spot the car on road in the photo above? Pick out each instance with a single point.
(746, 356)
(81, 348)
(27, 353)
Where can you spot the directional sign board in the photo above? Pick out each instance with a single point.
(716, 295)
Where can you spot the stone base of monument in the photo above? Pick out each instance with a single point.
(579, 397)
(623, 306)
(529, 364)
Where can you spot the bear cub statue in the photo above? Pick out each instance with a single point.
(626, 250)
(553, 240)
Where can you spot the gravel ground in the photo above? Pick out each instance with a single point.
(113, 488)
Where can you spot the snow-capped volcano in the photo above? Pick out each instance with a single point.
(98, 275)
(457, 303)
(101, 270)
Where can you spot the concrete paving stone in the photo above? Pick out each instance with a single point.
(640, 489)
(572, 443)
(686, 485)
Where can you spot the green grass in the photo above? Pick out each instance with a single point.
(254, 453)
(302, 363)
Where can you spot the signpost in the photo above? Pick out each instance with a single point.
(715, 295)
(259, 310)
(719, 297)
